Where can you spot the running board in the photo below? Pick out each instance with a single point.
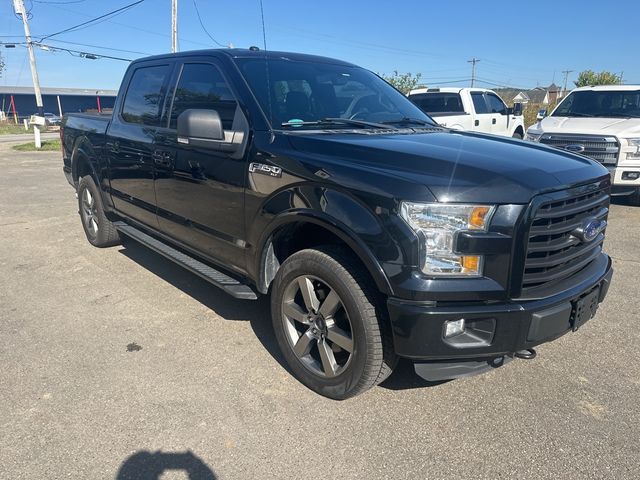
(230, 285)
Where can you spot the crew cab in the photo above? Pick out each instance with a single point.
(376, 233)
(470, 109)
(602, 123)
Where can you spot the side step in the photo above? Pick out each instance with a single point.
(230, 285)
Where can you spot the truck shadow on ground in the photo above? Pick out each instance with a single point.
(256, 312)
(145, 465)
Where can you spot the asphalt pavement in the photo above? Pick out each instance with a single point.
(114, 363)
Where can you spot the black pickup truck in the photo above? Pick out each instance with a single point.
(377, 233)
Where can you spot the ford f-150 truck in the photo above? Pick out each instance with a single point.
(470, 109)
(602, 123)
(376, 233)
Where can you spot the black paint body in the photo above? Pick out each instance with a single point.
(351, 184)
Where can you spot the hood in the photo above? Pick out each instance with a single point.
(620, 127)
(454, 166)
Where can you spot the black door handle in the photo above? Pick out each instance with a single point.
(493, 121)
(477, 122)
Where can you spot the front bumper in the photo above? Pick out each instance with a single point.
(503, 328)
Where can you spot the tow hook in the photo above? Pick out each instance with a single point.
(527, 354)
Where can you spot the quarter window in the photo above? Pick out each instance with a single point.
(202, 86)
(144, 95)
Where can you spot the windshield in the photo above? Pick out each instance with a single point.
(298, 91)
(590, 103)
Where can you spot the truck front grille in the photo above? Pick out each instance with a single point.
(603, 149)
(555, 251)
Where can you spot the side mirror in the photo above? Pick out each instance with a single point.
(198, 124)
(203, 128)
(541, 114)
(517, 109)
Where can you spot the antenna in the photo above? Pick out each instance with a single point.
(266, 65)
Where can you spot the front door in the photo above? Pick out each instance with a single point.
(130, 142)
(199, 190)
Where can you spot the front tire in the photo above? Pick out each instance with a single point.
(99, 230)
(517, 134)
(330, 323)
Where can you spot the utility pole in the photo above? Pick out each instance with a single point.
(18, 6)
(473, 62)
(566, 75)
(174, 26)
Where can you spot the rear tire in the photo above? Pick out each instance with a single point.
(99, 230)
(330, 323)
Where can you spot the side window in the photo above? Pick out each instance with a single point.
(479, 103)
(496, 105)
(144, 95)
(202, 86)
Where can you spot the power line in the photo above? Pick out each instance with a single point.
(203, 27)
(93, 20)
(75, 53)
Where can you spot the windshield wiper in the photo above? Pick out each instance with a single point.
(578, 114)
(335, 121)
(407, 121)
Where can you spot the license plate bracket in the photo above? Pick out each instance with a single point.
(585, 308)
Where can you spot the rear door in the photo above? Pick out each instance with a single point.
(482, 119)
(131, 137)
(499, 117)
(200, 190)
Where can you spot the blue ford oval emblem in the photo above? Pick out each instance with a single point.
(575, 148)
(589, 229)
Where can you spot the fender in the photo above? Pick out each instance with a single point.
(339, 229)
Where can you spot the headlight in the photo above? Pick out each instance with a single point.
(437, 224)
(533, 137)
(634, 142)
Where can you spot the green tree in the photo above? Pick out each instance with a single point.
(404, 82)
(589, 77)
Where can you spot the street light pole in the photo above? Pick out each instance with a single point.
(18, 6)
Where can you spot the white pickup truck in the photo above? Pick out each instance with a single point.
(473, 109)
(602, 123)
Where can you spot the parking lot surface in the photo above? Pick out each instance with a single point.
(116, 363)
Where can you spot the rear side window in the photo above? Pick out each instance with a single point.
(495, 104)
(202, 86)
(479, 103)
(433, 103)
(144, 96)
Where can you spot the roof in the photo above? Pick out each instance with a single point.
(253, 52)
(609, 88)
(416, 91)
(14, 90)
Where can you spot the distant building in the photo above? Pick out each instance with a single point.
(55, 100)
(539, 95)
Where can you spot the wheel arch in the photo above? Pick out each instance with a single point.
(81, 161)
(307, 229)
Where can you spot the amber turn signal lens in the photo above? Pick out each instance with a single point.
(471, 263)
(478, 217)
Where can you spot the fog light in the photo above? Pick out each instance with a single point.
(630, 175)
(453, 328)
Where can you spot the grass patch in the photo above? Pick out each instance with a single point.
(7, 128)
(47, 146)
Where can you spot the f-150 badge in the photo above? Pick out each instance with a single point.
(270, 170)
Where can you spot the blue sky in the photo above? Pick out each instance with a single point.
(518, 44)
